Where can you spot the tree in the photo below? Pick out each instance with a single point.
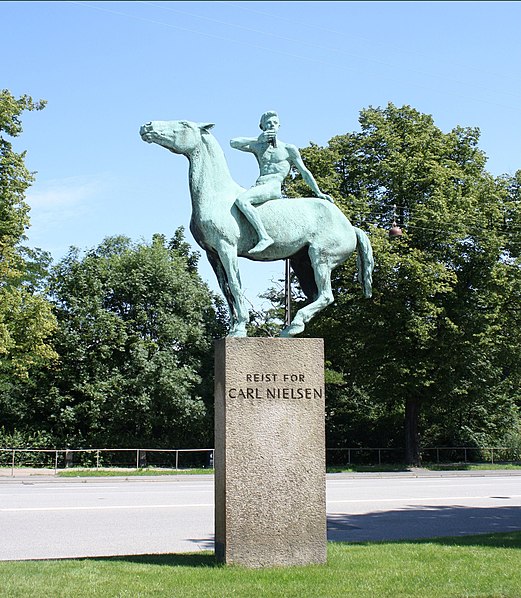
(433, 343)
(26, 319)
(134, 340)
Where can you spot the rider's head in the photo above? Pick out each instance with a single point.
(270, 114)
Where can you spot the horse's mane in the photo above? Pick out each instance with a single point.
(217, 159)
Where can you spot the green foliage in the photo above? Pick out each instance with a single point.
(14, 177)
(25, 440)
(131, 328)
(134, 343)
(26, 320)
(442, 329)
(18, 440)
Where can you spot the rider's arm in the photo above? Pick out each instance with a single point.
(296, 160)
(243, 143)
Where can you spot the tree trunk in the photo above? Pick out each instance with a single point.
(412, 437)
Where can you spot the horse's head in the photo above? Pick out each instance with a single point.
(179, 136)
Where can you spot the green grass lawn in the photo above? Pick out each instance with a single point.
(426, 466)
(472, 566)
(471, 466)
(156, 471)
(122, 472)
(85, 472)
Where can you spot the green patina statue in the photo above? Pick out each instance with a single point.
(275, 159)
(229, 222)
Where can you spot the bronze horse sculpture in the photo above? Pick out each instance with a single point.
(313, 234)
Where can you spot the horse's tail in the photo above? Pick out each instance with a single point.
(364, 261)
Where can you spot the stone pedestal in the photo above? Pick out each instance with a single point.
(270, 498)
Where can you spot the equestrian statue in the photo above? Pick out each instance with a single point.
(229, 221)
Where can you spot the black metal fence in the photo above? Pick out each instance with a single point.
(107, 458)
(437, 454)
(363, 456)
(202, 458)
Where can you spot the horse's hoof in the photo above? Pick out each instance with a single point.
(292, 330)
(261, 246)
(237, 334)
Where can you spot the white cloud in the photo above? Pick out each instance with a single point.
(63, 193)
(63, 212)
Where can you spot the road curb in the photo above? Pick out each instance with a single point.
(425, 474)
(32, 478)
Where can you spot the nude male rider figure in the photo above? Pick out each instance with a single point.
(275, 159)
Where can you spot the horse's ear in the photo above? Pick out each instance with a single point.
(205, 126)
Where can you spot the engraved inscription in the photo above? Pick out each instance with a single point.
(297, 391)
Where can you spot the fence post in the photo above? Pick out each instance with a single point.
(97, 459)
(55, 462)
(137, 458)
(465, 454)
(12, 464)
(379, 456)
(492, 455)
(176, 459)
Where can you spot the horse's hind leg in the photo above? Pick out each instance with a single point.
(323, 299)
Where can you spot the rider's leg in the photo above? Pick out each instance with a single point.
(244, 203)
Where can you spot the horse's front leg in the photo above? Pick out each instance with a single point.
(222, 279)
(227, 254)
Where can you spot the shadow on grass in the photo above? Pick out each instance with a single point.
(506, 540)
(207, 559)
(498, 527)
(201, 559)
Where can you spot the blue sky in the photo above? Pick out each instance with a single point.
(105, 68)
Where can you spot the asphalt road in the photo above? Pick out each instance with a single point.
(59, 518)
